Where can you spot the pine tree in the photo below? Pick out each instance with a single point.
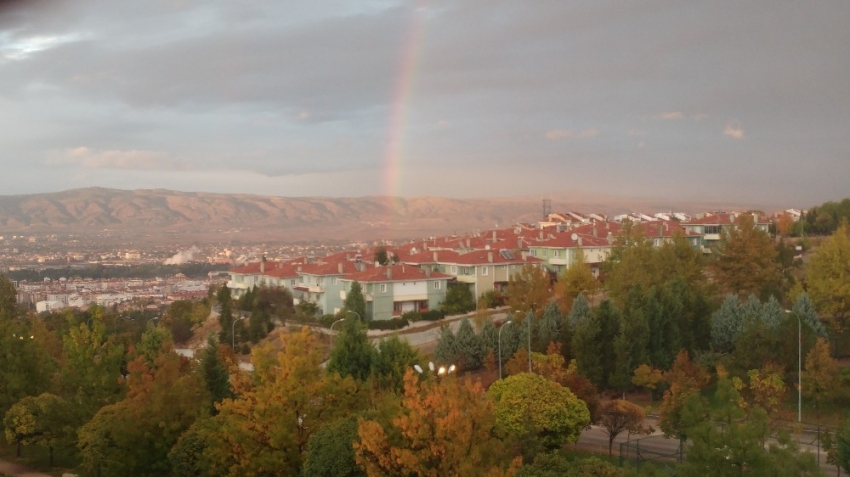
(726, 324)
(352, 353)
(609, 328)
(470, 348)
(489, 338)
(549, 328)
(587, 350)
(214, 372)
(355, 302)
(447, 347)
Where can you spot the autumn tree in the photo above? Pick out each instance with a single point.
(746, 259)
(444, 427)
(530, 405)
(618, 416)
(352, 353)
(528, 290)
(646, 376)
(784, 224)
(768, 390)
(576, 279)
(821, 378)
(381, 256)
(135, 435)
(685, 379)
(267, 427)
(828, 278)
(41, 420)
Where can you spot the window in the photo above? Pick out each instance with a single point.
(556, 253)
(485, 270)
(454, 269)
(333, 281)
(294, 282)
(383, 287)
(534, 252)
(437, 285)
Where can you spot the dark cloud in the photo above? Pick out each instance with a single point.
(714, 99)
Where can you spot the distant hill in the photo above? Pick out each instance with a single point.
(213, 217)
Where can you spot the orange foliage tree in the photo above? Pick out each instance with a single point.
(685, 378)
(443, 428)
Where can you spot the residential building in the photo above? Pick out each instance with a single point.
(393, 290)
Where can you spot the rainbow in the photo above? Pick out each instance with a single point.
(404, 87)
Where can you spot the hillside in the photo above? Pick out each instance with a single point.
(167, 214)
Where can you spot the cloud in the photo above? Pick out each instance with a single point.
(671, 116)
(733, 130)
(635, 132)
(115, 159)
(559, 134)
(700, 116)
(443, 123)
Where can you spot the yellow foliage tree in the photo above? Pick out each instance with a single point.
(685, 378)
(821, 379)
(575, 279)
(444, 428)
(828, 278)
(746, 259)
(646, 376)
(529, 290)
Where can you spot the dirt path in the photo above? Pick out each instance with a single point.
(15, 470)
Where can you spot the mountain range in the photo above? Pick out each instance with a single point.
(213, 217)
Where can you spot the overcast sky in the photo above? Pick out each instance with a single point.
(713, 100)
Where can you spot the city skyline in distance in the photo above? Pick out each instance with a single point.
(720, 102)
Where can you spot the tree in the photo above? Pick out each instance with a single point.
(214, 372)
(530, 405)
(618, 416)
(394, 357)
(821, 379)
(746, 259)
(588, 350)
(459, 299)
(354, 300)
(685, 379)
(444, 427)
(330, 451)
(470, 349)
(646, 376)
(8, 299)
(381, 256)
(135, 435)
(447, 348)
(528, 290)
(842, 440)
(225, 316)
(576, 279)
(552, 464)
(784, 224)
(352, 353)
(828, 278)
(41, 420)
(266, 428)
(25, 365)
(768, 389)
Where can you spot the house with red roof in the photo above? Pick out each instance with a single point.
(321, 283)
(248, 276)
(393, 290)
(712, 226)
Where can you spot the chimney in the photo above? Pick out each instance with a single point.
(490, 257)
(435, 255)
(595, 232)
(339, 267)
(390, 273)
(660, 230)
(610, 238)
(263, 265)
(427, 272)
(579, 241)
(468, 243)
(494, 236)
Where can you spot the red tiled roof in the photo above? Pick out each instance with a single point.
(327, 268)
(254, 268)
(483, 257)
(720, 219)
(565, 240)
(396, 273)
(433, 256)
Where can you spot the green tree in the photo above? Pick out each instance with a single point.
(25, 365)
(609, 319)
(552, 464)
(381, 256)
(587, 349)
(576, 279)
(215, 374)
(459, 299)
(842, 447)
(630, 264)
(330, 451)
(352, 353)
(529, 404)
(41, 420)
(549, 327)
(447, 351)
(828, 278)
(394, 357)
(355, 301)
(225, 316)
(8, 299)
(746, 259)
(470, 350)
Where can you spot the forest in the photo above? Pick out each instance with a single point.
(704, 349)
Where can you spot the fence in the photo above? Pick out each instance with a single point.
(665, 452)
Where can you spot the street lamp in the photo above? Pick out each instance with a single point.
(442, 371)
(799, 365)
(332, 330)
(358, 314)
(233, 333)
(500, 346)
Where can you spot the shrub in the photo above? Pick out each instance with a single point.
(393, 324)
(412, 316)
(327, 320)
(433, 315)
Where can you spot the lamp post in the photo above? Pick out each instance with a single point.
(155, 318)
(332, 330)
(500, 346)
(442, 371)
(352, 311)
(529, 317)
(233, 333)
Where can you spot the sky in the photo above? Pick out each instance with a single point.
(718, 101)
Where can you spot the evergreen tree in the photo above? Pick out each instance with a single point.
(354, 300)
(609, 328)
(489, 338)
(214, 372)
(352, 353)
(772, 313)
(225, 317)
(549, 328)
(510, 339)
(726, 324)
(469, 346)
(805, 309)
(587, 350)
(394, 357)
(447, 347)
(579, 313)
